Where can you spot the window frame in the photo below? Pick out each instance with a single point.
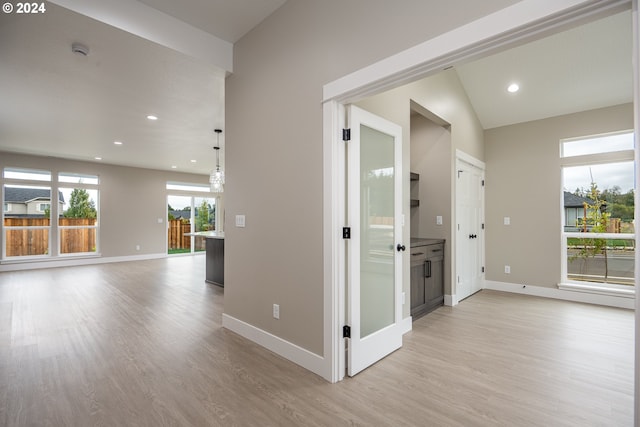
(193, 191)
(50, 179)
(27, 183)
(620, 156)
(65, 184)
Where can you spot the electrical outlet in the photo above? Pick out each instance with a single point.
(507, 269)
(276, 311)
(137, 247)
(439, 220)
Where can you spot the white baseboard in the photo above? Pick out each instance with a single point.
(73, 261)
(450, 300)
(289, 351)
(406, 324)
(568, 295)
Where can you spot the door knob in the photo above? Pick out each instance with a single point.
(400, 247)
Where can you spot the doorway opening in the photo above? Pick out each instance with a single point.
(406, 68)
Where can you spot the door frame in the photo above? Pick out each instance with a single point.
(519, 23)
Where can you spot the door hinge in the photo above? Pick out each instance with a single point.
(483, 225)
(483, 182)
(346, 232)
(346, 135)
(483, 269)
(346, 331)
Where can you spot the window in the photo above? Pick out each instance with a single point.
(28, 210)
(26, 228)
(187, 214)
(26, 174)
(78, 221)
(598, 176)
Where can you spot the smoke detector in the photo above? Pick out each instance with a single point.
(80, 49)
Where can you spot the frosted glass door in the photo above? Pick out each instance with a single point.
(377, 257)
(375, 249)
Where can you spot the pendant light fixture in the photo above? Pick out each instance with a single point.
(216, 179)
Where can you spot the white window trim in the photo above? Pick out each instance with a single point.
(52, 182)
(601, 288)
(82, 186)
(609, 289)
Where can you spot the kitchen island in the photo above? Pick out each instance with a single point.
(214, 269)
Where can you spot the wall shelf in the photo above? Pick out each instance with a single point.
(414, 177)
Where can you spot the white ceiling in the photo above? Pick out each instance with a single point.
(581, 69)
(61, 104)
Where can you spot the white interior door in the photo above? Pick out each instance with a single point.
(374, 251)
(470, 229)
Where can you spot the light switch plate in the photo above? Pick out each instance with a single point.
(240, 221)
(439, 220)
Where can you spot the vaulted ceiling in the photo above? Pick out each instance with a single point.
(59, 103)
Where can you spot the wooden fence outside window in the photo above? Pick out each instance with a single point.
(32, 240)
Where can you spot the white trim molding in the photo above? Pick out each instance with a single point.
(576, 295)
(450, 300)
(281, 347)
(21, 265)
(406, 325)
(467, 158)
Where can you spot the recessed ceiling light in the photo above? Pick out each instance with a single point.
(193, 161)
(174, 167)
(513, 88)
(98, 158)
(152, 117)
(117, 142)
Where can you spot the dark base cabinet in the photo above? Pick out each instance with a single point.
(215, 261)
(427, 276)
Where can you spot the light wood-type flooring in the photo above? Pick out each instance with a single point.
(141, 344)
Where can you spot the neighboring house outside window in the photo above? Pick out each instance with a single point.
(21, 201)
(576, 210)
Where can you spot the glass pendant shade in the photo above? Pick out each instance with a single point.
(216, 179)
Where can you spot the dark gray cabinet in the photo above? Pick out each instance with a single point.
(215, 261)
(427, 276)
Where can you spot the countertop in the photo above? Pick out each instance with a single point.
(207, 234)
(421, 241)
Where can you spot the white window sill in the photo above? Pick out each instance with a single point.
(47, 259)
(600, 289)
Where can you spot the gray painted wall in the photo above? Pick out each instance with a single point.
(523, 183)
(274, 144)
(131, 201)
